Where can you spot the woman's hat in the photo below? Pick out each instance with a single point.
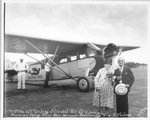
(121, 89)
(108, 61)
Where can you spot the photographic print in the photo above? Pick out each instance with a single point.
(75, 60)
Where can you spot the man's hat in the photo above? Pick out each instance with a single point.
(121, 89)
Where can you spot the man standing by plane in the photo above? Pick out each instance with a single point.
(47, 70)
(21, 67)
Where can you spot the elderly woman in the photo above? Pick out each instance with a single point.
(104, 88)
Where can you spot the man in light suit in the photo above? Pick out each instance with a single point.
(124, 74)
(21, 67)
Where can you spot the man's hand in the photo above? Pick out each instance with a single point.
(127, 85)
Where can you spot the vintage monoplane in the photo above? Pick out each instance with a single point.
(70, 60)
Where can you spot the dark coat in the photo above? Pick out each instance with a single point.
(127, 76)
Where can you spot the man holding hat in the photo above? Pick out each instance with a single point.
(21, 68)
(122, 76)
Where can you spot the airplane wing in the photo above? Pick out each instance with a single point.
(123, 48)
(126, 48)
(48, 46)
(45, 45)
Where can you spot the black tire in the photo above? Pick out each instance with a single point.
(83, 84)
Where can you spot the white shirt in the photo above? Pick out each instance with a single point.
(47, 67)
(121, 69)
(21, 66)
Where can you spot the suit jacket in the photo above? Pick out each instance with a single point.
(127, 76)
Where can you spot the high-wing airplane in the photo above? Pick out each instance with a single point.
(70, 60)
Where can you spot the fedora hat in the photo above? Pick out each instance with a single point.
(121, 89)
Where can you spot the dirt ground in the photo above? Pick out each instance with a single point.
(67, 101)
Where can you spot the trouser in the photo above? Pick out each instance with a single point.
(46, 79)
(21, 80)
(122, 105)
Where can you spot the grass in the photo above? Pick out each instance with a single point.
(67, 101)
(138, 96)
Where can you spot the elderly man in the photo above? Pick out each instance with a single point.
(124, 75)
(21, 67)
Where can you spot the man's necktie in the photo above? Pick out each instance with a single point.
(120, 69)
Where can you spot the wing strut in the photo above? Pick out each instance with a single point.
(37, 60)
(93, 46)
(55, 52)
(48, 58)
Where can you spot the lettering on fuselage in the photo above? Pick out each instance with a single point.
(35, 72)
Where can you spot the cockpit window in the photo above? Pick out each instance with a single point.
(82, 56)
(92, 54)
(73, 58)
(64, 60)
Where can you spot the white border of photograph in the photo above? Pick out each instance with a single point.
(70, 2)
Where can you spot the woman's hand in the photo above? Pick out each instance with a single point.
(97, 89)
(109, 75)
(119, 77)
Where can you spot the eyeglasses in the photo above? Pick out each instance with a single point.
(121, 60)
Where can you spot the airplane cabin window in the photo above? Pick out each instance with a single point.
(92, 54)
(63, 60)
(73, 58)
(82, 56)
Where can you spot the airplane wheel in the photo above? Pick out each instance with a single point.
(83, 84)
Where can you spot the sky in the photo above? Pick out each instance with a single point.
(98, 23)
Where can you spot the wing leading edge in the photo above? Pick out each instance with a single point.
(49, 46)
(45, 45)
